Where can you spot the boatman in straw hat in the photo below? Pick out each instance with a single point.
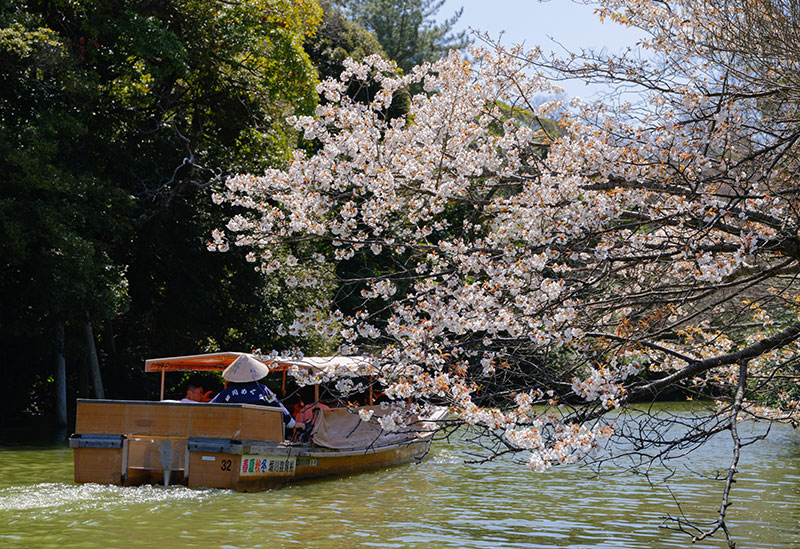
(244, 387)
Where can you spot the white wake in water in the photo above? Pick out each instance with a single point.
(60, 497)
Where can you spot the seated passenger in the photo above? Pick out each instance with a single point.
(194, 392)
(243, 377)
(302, 412)
(306, 412)
(305, 415)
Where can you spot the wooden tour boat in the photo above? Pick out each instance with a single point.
(236, 446)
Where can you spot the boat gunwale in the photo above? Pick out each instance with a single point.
(174, 402)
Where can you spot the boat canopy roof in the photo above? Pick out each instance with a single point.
(327, 365)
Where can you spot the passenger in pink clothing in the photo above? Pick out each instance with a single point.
(305, 414)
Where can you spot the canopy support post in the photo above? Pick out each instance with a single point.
(163, 375)
(371, 395)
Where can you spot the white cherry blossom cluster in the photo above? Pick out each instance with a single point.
(506, 242)
(605, 383)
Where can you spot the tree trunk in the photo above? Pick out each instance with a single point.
(94, 364)
(111, 349)
(61, 376)
(83, 376)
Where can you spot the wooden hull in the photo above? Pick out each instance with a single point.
(261, 467)
(130, 443)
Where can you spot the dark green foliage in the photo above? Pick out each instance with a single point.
(336, 39)
(117, 119)
(339, 38)
(406, 29)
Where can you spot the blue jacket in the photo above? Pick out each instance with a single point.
(252, 392)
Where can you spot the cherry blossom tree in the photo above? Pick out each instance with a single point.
(535, 277)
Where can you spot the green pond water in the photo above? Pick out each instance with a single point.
(439, 502)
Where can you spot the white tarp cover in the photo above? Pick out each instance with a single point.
(344, 366)
(343, 429)
(347, 366)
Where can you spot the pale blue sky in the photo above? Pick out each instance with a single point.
(540, 23)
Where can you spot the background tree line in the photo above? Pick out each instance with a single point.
(118, 119)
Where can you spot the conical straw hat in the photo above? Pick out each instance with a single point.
(244, 369)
